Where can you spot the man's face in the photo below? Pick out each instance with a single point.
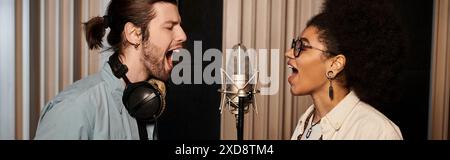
(166, 38)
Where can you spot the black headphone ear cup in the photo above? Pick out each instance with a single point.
(143, 101)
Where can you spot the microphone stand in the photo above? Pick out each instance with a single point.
(240, 119)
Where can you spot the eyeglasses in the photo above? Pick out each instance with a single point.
(299, 46)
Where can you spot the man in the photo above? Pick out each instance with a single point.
(144, 34)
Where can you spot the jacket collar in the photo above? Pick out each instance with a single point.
(336, 117)
(333, 121)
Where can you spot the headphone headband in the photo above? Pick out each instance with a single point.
(119, 70)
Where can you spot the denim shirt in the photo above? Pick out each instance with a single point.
(90, 109)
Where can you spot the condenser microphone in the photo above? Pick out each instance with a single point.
(239, 83)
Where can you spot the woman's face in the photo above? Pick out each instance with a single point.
(310, 68)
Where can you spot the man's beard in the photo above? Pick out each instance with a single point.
(153, 58)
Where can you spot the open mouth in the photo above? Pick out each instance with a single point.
(169, 57)
(293, 74)
(294, 70)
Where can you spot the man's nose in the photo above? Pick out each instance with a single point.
(181, 36)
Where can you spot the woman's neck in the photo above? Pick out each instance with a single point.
(323, 103)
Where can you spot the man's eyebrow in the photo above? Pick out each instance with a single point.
(172, 22)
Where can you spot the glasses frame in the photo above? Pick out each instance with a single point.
(299, 46)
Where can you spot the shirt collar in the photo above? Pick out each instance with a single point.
(338, 114)
(116, 85)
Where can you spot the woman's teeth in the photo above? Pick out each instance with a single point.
(294, 70)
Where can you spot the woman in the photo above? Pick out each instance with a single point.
(344, 59)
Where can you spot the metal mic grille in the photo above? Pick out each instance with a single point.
(239, 78)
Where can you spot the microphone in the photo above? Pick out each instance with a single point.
(239, 84)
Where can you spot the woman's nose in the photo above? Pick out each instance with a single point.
(290, 54)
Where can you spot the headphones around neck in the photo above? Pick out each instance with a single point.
(144, 101)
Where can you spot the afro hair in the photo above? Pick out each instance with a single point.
(370, 36)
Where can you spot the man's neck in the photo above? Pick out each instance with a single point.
(137, 72)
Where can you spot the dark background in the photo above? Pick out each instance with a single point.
(193, 109)
(411, 113)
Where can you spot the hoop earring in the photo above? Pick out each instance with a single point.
(330, 89)
(135, 45)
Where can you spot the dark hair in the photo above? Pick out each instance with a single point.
(320, 22)
(120, 12)
(370, 36)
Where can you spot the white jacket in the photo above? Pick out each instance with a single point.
(353, 119)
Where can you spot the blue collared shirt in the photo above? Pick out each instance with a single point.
(90, 109)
